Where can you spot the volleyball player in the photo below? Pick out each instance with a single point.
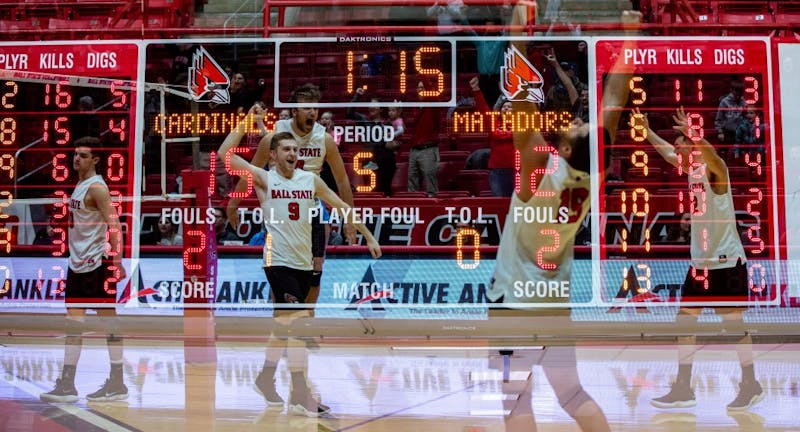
(557, 180)
(287, 194)
(718, 260)
(316, 147)
(92, 275)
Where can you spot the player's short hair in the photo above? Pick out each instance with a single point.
(278, 137)
(308, 92)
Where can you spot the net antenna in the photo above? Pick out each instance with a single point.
(162, 90)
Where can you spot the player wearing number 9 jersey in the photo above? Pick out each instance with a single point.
(286, 195)
(315, 147)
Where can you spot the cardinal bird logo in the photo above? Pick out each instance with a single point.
(518, 76)
(207, 80)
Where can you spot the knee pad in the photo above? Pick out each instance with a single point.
(572, 399)
(316, 278)
(113, 338)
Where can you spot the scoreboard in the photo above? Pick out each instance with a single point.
(161, 107)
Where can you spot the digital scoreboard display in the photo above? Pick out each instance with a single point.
(654, 211)
(388, 70)
(52, 95)
(441, 249)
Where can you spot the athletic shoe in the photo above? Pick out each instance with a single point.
(749, 395)
(678, 397)
(371, 165)
(112, 390)
(63, 393)
(266, 388)
(312, 408)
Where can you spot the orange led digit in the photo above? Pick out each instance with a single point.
(239, 173)
(358, 167)
(195, 253)
(115, 164)
(60, 171)
(8, 131)
(429, 71)
(476, 243)
(7, 98)
(544, 249)
(638, 94)
(117, 128)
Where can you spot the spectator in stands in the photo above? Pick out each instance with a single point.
(490, 53)
(221, 229)
(449, 15)
(423, 159)
(169, 233)
(501, 145)
(326, 120)
(582, 63)
(680, 232)
(47, 235)
(478, 160)
(564, 95)
(729, 113)
(241, 97)
(285, 114)
(258, 239)
(85, 122)
(749, 137)
(383, 158)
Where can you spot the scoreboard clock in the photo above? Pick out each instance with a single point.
(388, 69)
(51, 95)
(644, 197)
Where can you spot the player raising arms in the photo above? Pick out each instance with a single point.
(288, 194)
(92, 275)
(315, 148)
(557, 179)
(718, 258)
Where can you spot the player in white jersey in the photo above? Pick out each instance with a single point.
(92, 275)
(718, 259)
(534, 259)
(316, 147)
(287, 195)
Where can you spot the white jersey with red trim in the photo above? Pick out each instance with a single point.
(311, 147)
(87, 229)
(534, 259)
(715, 240)
(285, 205)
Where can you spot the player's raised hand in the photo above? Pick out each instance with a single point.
(374, 248)
(638, 119)
(551, 58)
(681, 122)
(474, 84)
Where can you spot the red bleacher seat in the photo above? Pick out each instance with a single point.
(400, 179)
(452, 194)
(447, 174)
(409, 194)
(474, 181)
(454, 156)
(328, 65)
